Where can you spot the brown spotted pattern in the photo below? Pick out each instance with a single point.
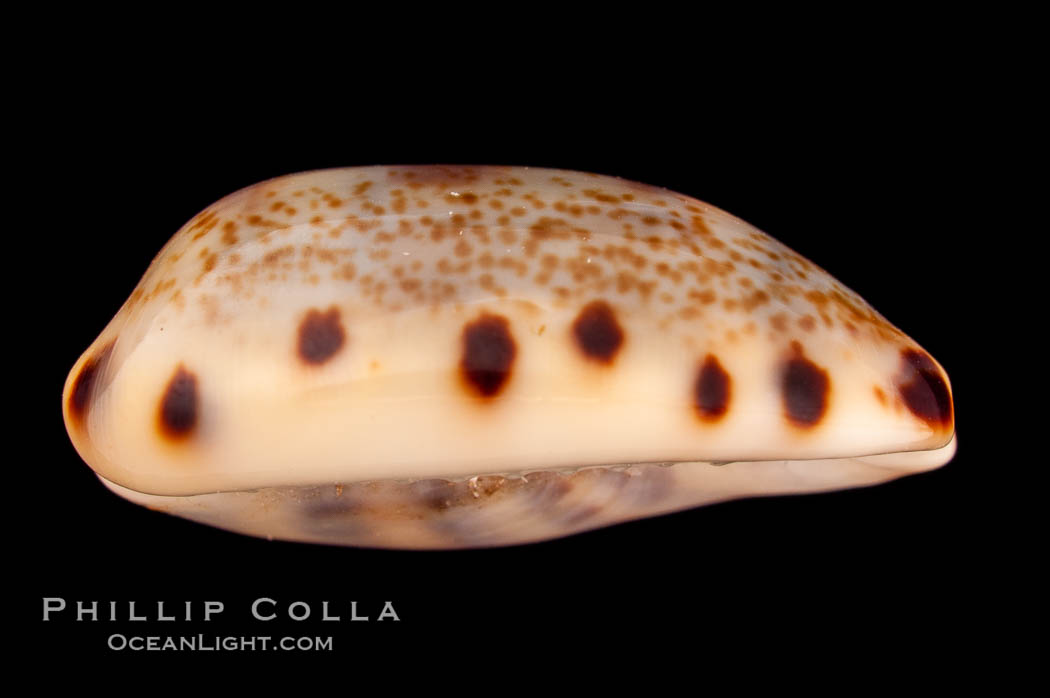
(321, 335)
(84, 385)
(924, 389)
(712, 389)
(597, 332)
(488, 354)
(805, 387)
(178, 413)
(494, 232)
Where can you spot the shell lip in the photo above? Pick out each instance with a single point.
(904, 461)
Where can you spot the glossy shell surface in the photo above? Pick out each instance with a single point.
(451, 356)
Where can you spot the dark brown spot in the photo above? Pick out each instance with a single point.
(488, 353)
(321, 335)
(805, 389)
(597, 332)
(712, 390)
(84, 384)
(924, 389)
(177, 416)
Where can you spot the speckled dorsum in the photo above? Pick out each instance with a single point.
(461, 356)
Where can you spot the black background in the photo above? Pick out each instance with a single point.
(862, 165)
